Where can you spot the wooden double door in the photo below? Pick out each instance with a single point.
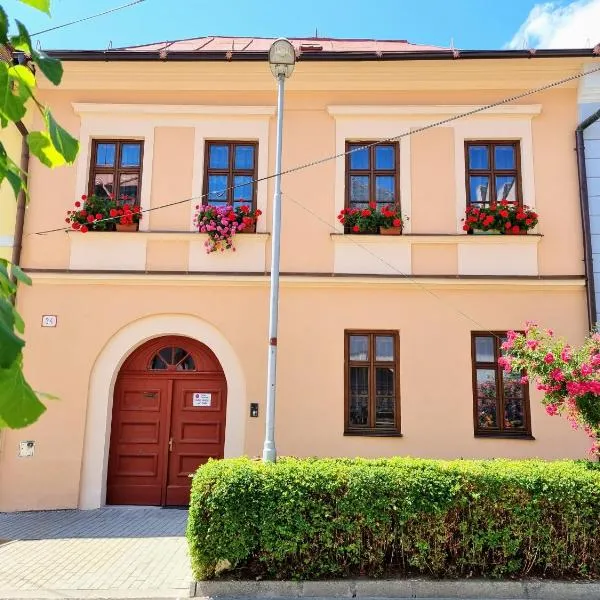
(168, 419)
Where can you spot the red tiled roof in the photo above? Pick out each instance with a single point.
(251, 44)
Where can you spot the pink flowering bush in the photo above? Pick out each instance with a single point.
(569, 377)
(221, 223)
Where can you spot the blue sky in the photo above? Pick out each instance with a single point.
(473, 24)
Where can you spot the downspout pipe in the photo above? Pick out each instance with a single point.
(21, 201)
(585, 215)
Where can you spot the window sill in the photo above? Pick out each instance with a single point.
(371, 433)
(436, 238)
(161, 235)
(505, 436)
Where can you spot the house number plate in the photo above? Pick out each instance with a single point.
(200, 399)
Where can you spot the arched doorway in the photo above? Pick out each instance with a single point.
(168, 418)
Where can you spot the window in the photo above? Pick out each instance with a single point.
(493, 172)
(116, 168)
(372, 175)
(172, 358)
(230, 165)
(500, 401)
(371, 389)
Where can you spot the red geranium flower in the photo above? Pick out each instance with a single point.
(396, 222)
(356, 229)
(84, 197)
(84, 229)
(78, 204)
(90, 218)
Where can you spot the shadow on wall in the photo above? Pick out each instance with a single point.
(108, 522)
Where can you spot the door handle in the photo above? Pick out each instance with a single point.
(171, 445)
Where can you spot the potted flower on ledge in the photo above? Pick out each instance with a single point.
(372, 220)
(502, 217)
(126, 214)
(222, 223)
(103, 213)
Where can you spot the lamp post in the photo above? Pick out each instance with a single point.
(282, 59)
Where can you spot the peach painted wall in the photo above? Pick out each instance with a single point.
(436, 394)
(435, 367)
(308, 212)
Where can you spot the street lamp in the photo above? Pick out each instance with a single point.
(282, 58)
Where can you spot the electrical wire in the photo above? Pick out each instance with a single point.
(106, 12)
(412, 280)
(355, 149)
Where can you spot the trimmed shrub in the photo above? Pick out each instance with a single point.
(319, 518)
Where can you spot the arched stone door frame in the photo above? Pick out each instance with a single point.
(92, 489)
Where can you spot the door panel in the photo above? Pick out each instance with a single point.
(197, 432)
(139, 438)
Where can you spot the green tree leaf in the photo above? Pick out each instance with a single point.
(3, 25)
(24, 76)
(66, 145)
(12, 107)
(19, 406)
(21, 41)
(10, 344)
(41, 146)
(19, 323)
(43, 5)
(18, 274)
(10, 171)
(50, 67)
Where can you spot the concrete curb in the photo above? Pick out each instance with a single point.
(401, 588)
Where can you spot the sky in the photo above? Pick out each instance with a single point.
(467, 24)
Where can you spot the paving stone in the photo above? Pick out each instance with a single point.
(57, 552)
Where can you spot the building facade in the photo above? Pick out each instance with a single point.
(387, 344)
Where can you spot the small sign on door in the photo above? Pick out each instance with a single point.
(200, 399)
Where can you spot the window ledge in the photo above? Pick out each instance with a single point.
(189, 236)
(436, 238)
(371, 433)
(505, 436)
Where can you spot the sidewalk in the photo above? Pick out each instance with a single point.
(113, 552)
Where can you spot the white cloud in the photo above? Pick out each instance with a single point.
(560, 25)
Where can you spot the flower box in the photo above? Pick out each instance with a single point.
(222, 223)
(504, 217)
(104, 213)
(129, 227)
(390, 230)
(372, 220)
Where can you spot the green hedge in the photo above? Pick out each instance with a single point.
(318, 518)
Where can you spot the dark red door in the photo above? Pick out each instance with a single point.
(197, 432)
(168, 419)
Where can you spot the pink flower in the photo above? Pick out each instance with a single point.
(550, 332)
(557, 375)
(566, 354)
(504, 362)
(511, 335)
(532, 344)
(586, 369)
(549, 358)
(596, 360)
(507, 345)
(524, 380)
(552, 409)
